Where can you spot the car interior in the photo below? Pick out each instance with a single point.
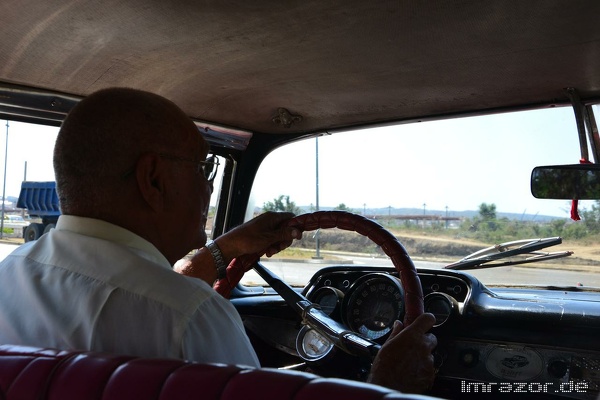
(355, 110)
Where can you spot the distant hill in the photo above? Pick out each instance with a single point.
(442, 213)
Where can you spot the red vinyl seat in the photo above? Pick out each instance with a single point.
(36, 373)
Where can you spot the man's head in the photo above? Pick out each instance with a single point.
(130, 158)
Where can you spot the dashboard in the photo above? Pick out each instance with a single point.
(540, 343)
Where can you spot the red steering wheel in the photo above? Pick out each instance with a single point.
(413, 292)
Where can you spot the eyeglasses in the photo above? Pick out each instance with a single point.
(208, 167)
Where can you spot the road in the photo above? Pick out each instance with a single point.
(300, 273)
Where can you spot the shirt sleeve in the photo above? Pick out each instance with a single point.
(216, 334)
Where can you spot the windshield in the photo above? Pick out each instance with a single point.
(446, 189)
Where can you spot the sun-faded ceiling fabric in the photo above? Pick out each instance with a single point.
(308, 66)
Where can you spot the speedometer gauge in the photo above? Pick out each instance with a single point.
(372, 305)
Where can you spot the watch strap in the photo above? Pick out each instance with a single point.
(217, 256)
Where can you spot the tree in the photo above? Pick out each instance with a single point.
(282, 203)
(487, 212)
(343, 207)
(591, 218)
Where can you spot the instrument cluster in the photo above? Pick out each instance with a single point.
(368, 301)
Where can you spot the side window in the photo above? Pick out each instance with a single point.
(214, 199)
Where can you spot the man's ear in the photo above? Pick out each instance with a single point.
(151, 180)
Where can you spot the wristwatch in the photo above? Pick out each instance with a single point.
(220, 264)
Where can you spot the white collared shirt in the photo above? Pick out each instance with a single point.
(91, 285)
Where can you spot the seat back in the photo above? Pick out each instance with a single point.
(35, 373)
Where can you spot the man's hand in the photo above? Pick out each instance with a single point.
(405, 361)
(266, 234)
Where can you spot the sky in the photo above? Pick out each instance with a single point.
(405, 166)
(457, 163)
(29, 154)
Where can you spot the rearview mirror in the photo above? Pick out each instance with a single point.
(568, 182)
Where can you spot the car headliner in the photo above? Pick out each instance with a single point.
(335, 64)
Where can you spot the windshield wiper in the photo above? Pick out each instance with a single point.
(494, 256)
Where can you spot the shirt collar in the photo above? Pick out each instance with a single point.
(113, 233)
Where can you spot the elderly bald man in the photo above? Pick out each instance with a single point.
(134, 185)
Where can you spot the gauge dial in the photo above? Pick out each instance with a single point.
(311, 345)
(328, 298)
(441, 306)
(374, 303)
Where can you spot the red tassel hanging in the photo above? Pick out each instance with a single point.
(574, 213)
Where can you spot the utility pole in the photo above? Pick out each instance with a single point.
(317, 233)
(24, 180)
(4, 185)
(446, 217)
